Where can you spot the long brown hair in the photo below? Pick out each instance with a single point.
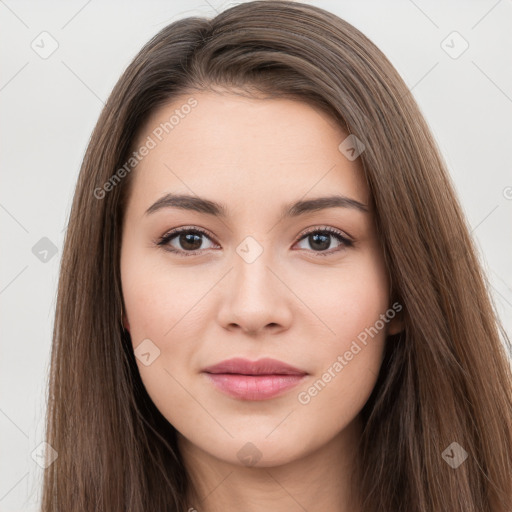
(445, 379)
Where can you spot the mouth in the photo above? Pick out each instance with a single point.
(254, 380)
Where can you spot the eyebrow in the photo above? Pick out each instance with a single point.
(202, 205)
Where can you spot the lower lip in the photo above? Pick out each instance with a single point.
(254, 387)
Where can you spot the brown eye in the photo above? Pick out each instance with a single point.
(185, 241)
(319, 241)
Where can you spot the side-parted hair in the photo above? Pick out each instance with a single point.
(446, 378)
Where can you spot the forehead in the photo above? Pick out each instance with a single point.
(242, 149)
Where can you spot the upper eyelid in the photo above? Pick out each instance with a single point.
(329, 229)
(176, 231)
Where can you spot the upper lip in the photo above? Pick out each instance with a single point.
(265, 366)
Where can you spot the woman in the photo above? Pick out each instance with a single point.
(269, 297)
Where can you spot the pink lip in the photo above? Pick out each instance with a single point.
(265, 366)
(254, 380)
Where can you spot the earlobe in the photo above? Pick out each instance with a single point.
(126, 324)
(396, 325)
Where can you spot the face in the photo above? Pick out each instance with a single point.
(306, 286)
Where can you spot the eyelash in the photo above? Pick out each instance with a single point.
(164, 240)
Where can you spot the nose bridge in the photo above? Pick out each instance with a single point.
(251, 268)
(254, 296)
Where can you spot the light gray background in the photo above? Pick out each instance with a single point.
(49, 108)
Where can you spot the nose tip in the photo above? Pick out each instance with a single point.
(254, 299)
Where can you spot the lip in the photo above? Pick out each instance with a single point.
(254, 380)
(265, 366)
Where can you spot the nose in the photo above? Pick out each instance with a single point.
(255, 298)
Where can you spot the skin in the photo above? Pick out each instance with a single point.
(255, 155)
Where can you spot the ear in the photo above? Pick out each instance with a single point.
(396, 324)
(126, 323)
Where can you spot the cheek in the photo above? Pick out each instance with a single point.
(163, 323)
(350, 301)
(159, 302)
(349, 353)
(167, 306)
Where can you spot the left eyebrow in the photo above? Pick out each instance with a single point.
(202, 205)
(321, 203)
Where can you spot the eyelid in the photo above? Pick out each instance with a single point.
(172, 233)
(178, 230)
(329, 229)
(346, 240)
